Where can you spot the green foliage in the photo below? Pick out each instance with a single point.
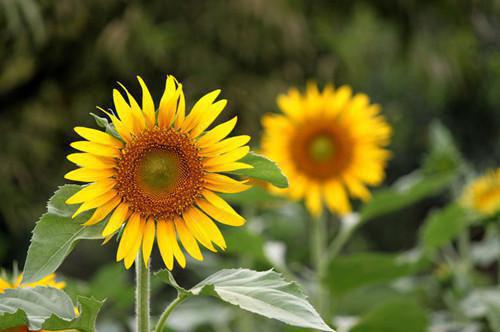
(48, 308)
(394, 316)
(56, 235)
(350, 272)
(264, 293)
(263, 169)
(444, 225)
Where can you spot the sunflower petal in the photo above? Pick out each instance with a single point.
(98, 136)
(210, 228)
(166, 249)
(89, 175)
(117, 219)
(102, 211)
(202, 105)
(94, 203)
(198, 232)
(96, 149)
(132, 255)
(172, 237)
(220, 215)
(228, 157)
(208, 116)
(148, 106)
(224, 184)
(188, 241)
(129, 236)
(92, 191)
(148, 240)
(88, 160)
(216, 134)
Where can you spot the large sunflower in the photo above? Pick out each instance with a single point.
(330, 144)
(157, 175)
(483, 194)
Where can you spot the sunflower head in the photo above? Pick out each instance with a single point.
(483, 194)
(156, 173)
(331, 145)
(48, 281)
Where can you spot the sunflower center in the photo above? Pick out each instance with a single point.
(322, 148)
(160, 173)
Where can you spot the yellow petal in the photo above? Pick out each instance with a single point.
(132, 255)
(209, 228)
(356, 188)
(89, 175)
(172, 237)
(123, 110)
(313, 200)
(217, 201)
(129, 236)
(228, 167)
(148, 106)
(135, 111)
(228, 157)
(148, 240)
(88, 160)
(198, 232)
(224, 184)
(92, 191)
(102, 211)
(336, 198)
(168, 103)
(187, 239)
(98, 136)
(166, 249)
(225, 146)
(220, 215)
(208, 116)
(201, 106)
(120, 127)
(216, 134)
(117, 219)
(95, 202)
(96, 148)
(181, 109)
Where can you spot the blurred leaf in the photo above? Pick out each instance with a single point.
(56, 234)
(199, 312)
(406, 191)
(46, 307)
(493, 317)
(487, 251)
(104, 123)
(444, 225)
(122, 292)
(394, 316)
(349, 272)
(479, 301)
(443, 155)
(263, 169)
(244, 242)
(264, 293)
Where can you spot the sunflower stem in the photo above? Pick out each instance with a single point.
(142, 294)
(163, 318)
(319, 258)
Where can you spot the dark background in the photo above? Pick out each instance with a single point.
(421, 60)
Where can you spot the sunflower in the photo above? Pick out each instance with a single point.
(48, 281)
(483, 194)
(156, 174)
(330, 144)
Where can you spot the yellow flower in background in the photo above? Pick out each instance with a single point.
(48, 281)
(330, 144)
(483, 194)
(160, 178)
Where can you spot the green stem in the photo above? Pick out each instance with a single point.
(318, 250)
(142, 295)
(163, 318)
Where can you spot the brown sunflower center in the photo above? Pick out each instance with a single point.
(160, 173)
(321, 149)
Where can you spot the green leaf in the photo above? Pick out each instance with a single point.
(33, 306)
(252, 196)
(263, 169)
(493, 317)
(406, 191)
(56, 234)
(169, 279)
(104, 123)
(264, 293)
(444, 225)
(347, 273)
(443, 155)
(394, 316)
(85, 321)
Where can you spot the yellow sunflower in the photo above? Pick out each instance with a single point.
(48, 281)
(159, 174)
(330, 144)
(483, 194)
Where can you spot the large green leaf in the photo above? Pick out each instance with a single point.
(264, 293)
(263, 169)
(394, 316)
(56, 234)
(444, 225)
(46, 307)
(347, 273)
(406, 191)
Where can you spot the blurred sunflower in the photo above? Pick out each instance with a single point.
(158, 174)
(48, 281)
(483, 194)
(330, 144)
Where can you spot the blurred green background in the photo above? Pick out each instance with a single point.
(421, 60)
